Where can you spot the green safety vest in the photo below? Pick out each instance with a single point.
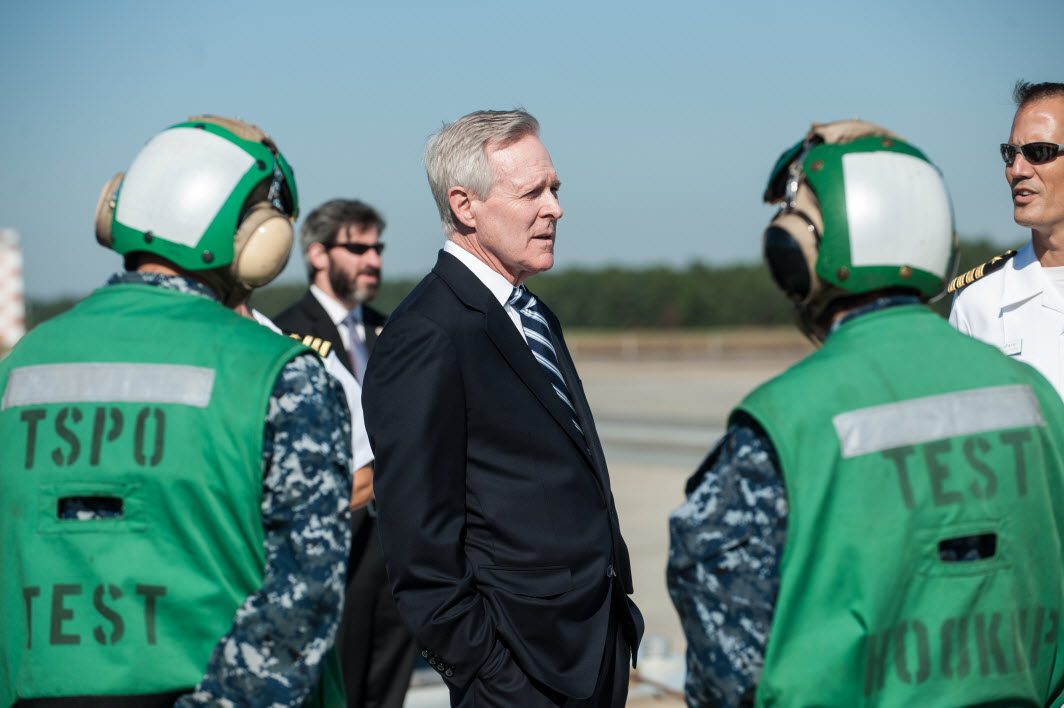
(156, 400)
(895, 439)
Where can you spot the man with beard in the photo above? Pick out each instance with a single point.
(342, 252)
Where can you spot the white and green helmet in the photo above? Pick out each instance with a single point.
(191, 188)
(861, 210)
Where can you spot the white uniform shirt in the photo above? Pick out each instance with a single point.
(1019, 311)
(360, 449)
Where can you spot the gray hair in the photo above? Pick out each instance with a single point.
(455, 157)
(322, 224)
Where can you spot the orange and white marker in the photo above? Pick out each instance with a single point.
(12, 303)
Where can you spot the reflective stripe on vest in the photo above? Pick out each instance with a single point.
(124, 382)
(948, 415)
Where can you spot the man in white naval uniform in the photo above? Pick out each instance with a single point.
(1016, 301)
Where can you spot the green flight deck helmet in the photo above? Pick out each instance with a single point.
(213, 196)
(861, 210)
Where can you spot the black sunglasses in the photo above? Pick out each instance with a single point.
(1032, 152)
(359, 248)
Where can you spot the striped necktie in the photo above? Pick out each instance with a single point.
(537, 334)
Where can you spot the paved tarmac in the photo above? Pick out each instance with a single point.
(657, 420)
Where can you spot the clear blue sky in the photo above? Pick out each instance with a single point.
(663, 118)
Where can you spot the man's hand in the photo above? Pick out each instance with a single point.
(362, 489)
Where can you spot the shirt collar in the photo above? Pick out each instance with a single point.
(499, 286)
(336, 312)
(1023, 277)
(878, 304)
(178, 283)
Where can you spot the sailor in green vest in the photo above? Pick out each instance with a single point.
(174, 478)
(881, 524)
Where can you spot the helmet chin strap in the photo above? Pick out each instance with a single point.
(804, 321)
(810, 315)
(222, 283)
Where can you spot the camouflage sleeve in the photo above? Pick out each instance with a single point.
(723, 571)
(275, 651)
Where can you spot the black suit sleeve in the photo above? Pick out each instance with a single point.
(415, 414)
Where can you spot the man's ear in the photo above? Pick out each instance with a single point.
(461, 200)
(318, 256)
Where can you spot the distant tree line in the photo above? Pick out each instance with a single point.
(696, 296)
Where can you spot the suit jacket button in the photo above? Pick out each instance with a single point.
(424, 653)
(610, 572)
(448, 673)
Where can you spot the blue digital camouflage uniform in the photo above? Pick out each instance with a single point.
(723, 573)
(275, 651)
(725, 545)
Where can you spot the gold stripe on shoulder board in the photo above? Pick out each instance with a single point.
(979, 271)
(321, 346)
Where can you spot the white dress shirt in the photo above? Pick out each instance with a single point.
(499, 286)
(339, 316)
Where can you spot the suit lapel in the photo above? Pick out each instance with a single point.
(500, 329)
(576, 396)
(323, 327)
(372, 321)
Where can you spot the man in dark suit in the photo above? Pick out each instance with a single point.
(342, 251)
(499, 528)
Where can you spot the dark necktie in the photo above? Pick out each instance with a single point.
(537, 334)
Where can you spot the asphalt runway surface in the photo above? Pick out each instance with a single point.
(657, 420)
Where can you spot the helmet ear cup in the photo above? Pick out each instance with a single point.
(261, 246)
(105, 210)
(791, 245)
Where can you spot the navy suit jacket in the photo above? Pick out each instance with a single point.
(307, 316)
(498, 525)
